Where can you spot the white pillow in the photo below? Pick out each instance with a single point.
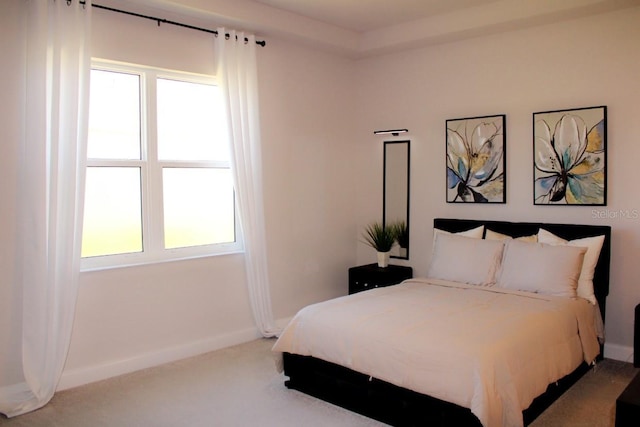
(476, 233)
(464, 259)
(593, 245)
(493, 235)
(541, 268)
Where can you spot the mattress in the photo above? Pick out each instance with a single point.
(487, 349)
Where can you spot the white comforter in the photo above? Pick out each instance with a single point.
(486, 349)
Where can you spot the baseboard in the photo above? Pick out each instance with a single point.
(82, 376)
(622, 353)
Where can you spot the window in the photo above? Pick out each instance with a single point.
(159, 184)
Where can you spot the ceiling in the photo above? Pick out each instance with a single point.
(370, 15)
(358, 28)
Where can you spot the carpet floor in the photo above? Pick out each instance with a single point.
(239, 386)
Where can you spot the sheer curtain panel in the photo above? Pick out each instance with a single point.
(237, 75)
(51, 194)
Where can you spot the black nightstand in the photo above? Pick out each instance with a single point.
(371, 276)
(628, 405)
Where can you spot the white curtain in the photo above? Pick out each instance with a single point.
(237, 76)
(51, 193)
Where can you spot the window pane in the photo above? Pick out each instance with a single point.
(191, 122)
(112, 215)
(114, 116)
(198, 207)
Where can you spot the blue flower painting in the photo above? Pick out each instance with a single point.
(475, 160)
(570, 157)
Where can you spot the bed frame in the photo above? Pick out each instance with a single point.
(401, 407)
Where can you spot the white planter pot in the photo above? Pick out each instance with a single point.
(383, 259)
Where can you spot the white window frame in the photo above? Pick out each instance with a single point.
(151, 177)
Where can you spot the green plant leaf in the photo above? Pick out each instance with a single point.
(379, 238)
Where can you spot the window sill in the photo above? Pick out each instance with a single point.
(137, 261)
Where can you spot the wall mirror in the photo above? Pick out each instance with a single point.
(395, 199)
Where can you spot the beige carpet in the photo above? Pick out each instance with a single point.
(591, 402)
(239, 386)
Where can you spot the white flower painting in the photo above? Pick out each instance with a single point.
(476, 160)
(570, 157)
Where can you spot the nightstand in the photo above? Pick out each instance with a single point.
(628, 405)
(371, 276)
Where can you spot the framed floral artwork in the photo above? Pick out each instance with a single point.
(476, 159)
(570, 157)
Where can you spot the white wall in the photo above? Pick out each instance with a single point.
(307, 107)
(135, 317)
(587, 62)
(11, 125)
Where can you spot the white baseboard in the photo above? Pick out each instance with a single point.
(618, 352)
(82, 376)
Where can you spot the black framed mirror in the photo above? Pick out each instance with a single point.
(395, 198)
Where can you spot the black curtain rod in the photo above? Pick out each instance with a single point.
(165, 21)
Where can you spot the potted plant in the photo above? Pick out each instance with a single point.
(401, 232)
(381, 239)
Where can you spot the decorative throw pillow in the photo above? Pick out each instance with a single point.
(594, 247)
(541, 268)
(464, 259)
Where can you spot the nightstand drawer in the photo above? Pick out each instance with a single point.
(371, 276)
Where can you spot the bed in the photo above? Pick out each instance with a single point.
(394, 365)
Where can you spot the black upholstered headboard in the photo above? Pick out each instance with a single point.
(566, 231)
